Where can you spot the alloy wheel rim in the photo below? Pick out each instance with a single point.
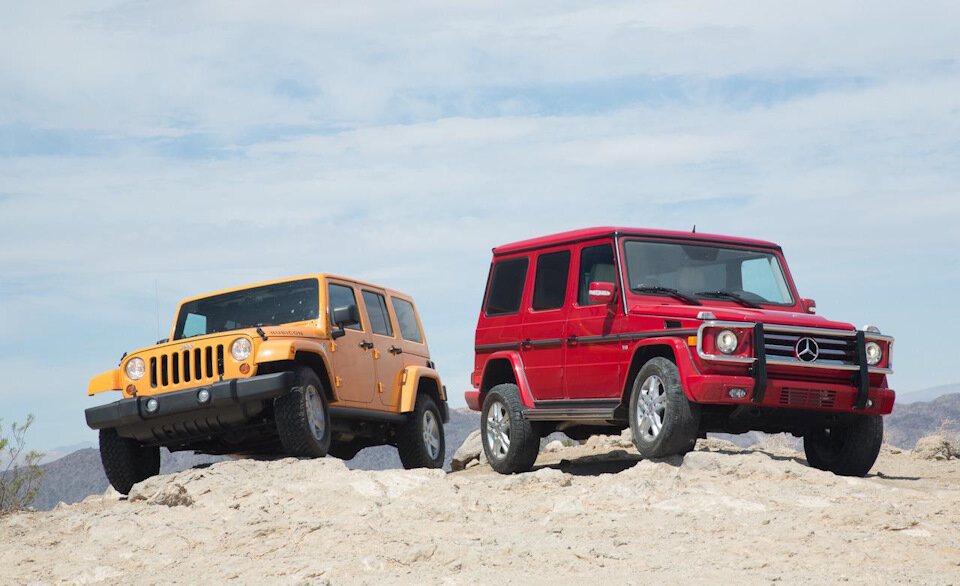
(498, 430)
(315, 415)
(651, 408)
(431, 435)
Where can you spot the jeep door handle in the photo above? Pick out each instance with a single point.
(366, 345)
(395, 350)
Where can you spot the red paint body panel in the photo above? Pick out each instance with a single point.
(585, 352)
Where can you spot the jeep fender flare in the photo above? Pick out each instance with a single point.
(410, 385)
(519, 375)
(672, 348)
(107, 381)
(286, 350)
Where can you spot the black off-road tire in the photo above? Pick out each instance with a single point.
(412, 436)
(524, 439)
(292, 413)
(847, 450)
(127, 462)
(680, 418)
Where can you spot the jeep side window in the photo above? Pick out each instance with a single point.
(506, 286)
(341, 296)
(407, 320)
(550, 285)
(377, 312)
(596, 266)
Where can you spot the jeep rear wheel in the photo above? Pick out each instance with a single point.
(846, 450)
(510, 442)
(662, 420)
(420, 441)
(125, 461)
(303, 417)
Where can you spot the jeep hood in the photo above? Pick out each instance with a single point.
(747, 314)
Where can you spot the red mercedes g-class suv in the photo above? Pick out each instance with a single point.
(676, 335)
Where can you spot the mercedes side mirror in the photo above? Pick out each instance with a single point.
(602, 293)
(809, 305)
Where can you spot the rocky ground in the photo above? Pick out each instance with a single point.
(587, 513)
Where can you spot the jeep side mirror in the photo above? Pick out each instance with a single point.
(344, 317)
(602, 293)
(809, 305)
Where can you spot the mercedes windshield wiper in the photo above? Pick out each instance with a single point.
(728, 295)
(668, 291)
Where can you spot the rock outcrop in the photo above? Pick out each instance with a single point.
(590, 513)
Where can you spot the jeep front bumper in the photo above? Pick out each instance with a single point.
(181, 414)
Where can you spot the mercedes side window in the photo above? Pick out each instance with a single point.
(377, 312)
(596, 266)
(342, 296)
(506, 286)
(550, 284)
(407, 320)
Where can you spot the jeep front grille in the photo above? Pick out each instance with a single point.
(186, 366)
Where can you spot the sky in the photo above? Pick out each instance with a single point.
(151, 151)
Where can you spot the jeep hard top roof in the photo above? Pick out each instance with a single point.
(599, 232)
(320, 276)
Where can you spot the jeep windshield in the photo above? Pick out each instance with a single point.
(703, 271)
(269, 305)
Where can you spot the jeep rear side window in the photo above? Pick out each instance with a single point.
(377, 312)
(341, 296)
(407, 320)
(506, 286)
(596, 266)
(550, 285)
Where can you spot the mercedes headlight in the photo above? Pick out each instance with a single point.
(874, 353)
(727, 342)
(135, 369)
(241, 349)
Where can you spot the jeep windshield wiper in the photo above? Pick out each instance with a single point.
(728, 295)
(668, 291)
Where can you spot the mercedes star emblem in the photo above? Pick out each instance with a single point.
(807, 350)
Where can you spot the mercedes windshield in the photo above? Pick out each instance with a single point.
(693, 272)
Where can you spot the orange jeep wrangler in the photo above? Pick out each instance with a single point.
(307, 366)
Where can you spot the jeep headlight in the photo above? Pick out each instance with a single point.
(727, 342)
(241, 349)
(874, 353)
(135, 369)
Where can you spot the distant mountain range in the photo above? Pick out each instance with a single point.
(78, 475)
(926, 395)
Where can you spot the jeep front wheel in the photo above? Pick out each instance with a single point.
(420, 441)
(510, 442)
(125, 461)
(303, 417)
(845, 450)
(662, 420)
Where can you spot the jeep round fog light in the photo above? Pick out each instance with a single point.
(874, 353)
(727, 342)
(203, 396)
(737, 393)
(241, 349)
(152, 406)
(135, 369)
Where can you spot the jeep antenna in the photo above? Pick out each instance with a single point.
(156, 290)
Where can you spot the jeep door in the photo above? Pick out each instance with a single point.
(353, 365)
(387, 351)
(594, 357)
(544, 323)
